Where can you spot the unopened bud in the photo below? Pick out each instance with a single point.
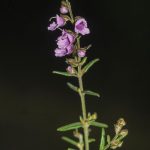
(115, 144)
(119, 125)
(81, 53)
(121, 122)
(123, 132)
(70, 70)
(63, 9)
(72, 62)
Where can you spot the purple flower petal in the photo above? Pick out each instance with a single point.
(69, 49)
(60, 52)
(81, 27)
(60, 21)
(52, 26)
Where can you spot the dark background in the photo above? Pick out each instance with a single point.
(34, 102)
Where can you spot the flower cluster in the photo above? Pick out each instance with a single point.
(67, 41)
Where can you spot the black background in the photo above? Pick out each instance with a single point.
(34, 102)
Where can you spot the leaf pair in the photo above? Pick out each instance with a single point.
(76, 89)
(77, 125)
(84, 70)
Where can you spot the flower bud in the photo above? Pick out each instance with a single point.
(81, 53)
(119, 125)
(63, 9)
(70, 70)
(121, 122)
(72, 62)
(115, 144)
(123, 132)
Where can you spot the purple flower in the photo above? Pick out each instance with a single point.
(81, 53)
(65, 44)
(63, 9)
(60, 52)
(70, 70)
(81, 26)
(60, 21)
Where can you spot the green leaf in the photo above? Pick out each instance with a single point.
(89, 65)
(71, 126)
(83, 61)
(63, 73)
(98, 124)
(71, 149)
(92, 93)
(102, 143)
(108, 139)
(71, 86)
(70, 141)
(91, 140)
(88, 47)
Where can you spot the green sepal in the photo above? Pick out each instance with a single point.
(71, 126)
(63, 73)
(92, 93)
(71, 86)
(102, 142)
(98, 124)
(70, 141)
(89, 65)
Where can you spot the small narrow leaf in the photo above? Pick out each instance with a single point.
(71, 126)
(70, 141)
(83, 61)
(91, 140)
(98, 124)
(88, 47)
(102, 143)
(63, 73)
(108, 139)
(71, 149)
(89, 65)
(71, 86)
(92, 93)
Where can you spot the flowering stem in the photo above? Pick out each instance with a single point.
(81, 93)
(82, 96)
(83, 104)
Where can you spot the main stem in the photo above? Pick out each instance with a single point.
(82, 96)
